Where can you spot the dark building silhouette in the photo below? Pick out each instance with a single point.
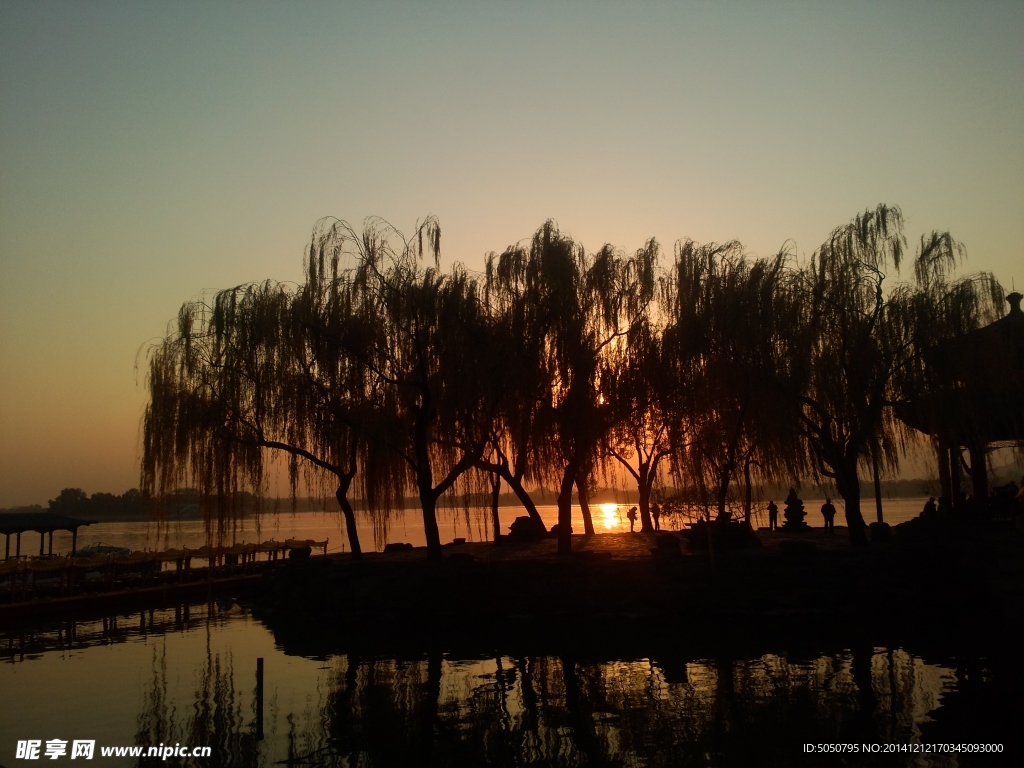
(977, 397)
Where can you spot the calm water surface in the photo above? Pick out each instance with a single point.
(187, 675)
(404, 525)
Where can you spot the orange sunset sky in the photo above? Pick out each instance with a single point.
(150, 151)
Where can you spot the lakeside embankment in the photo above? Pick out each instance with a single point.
(969, 578)
(611, 586)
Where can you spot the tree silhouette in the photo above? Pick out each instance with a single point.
(235, 378)
(929, 313)
(428, 344)
(383, 375)
(842, 350)
(518, 446)
(580, 305)
(641, 394)
(726, 317)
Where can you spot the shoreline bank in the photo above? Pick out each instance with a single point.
(612, 586)
(472, 600)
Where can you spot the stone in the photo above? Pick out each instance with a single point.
(524, 528)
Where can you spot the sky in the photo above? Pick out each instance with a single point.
(152, 151)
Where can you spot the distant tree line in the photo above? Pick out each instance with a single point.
(383, 374)
(74, 502)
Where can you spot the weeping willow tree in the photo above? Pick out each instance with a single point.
(375, 364)
(240, 377)
(518, 447)
(383, 375)
(726, 318)
(205, 385)
(428, 349)
(864, 348)
(445, 394)
(641, 393)
(578, 306)
(845, 352)
(936, 309)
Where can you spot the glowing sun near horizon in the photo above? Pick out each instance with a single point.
(610, 513)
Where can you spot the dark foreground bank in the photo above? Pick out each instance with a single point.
(970, 583)
(511, 656)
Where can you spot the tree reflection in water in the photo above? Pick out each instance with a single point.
(215, 719)
(562, 711)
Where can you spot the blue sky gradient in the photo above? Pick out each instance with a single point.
(151, 151)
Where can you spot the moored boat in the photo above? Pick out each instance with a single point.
(102, 549)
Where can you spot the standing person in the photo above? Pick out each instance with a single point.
(828, 511)
(631, 516)
(656, 516)
(773, 516)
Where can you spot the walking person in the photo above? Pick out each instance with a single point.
(773, 516)
(828, 511)
(631, 516)
(656, 516)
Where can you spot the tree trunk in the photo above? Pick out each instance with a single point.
(565, 511)
(495, 498)
(428, 501)
(705, 501)
(516, 485)
(425, 481)
(848, 485)
(953, 457)
(584, 496)
(644, 486)
(878, 485)
(723, 491)
(644, 474)
(350, 518)
(945, 481)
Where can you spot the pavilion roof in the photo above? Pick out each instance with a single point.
(983, 373)
(988, 359)
(40, 522)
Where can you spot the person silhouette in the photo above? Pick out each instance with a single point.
(828, 511)
(945, 508)
(631, 516)
(929, 508)
(656, 516)
(773, 516)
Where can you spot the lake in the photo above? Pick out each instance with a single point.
(403, 525)
(186, 676)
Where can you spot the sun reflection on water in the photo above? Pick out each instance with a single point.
(610, 514)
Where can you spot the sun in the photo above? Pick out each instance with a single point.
(610, 513)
